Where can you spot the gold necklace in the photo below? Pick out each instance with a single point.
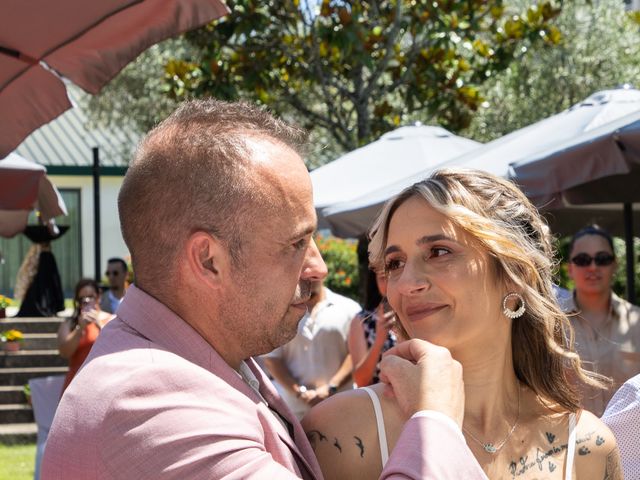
(489, 447)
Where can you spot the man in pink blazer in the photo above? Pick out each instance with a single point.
(217, 212)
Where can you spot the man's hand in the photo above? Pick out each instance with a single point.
(423, 376)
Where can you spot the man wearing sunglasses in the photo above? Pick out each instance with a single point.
(117, 276)
(607, 327)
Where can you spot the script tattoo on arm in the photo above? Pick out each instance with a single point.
(612, 469)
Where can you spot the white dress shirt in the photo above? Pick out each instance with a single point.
(623, 418)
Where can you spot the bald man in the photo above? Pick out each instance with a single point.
(217, 212)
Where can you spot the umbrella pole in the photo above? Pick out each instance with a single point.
(96, 213)
(628, 239)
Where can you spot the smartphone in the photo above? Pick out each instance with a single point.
(87, 303)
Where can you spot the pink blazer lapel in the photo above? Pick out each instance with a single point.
(299, 444)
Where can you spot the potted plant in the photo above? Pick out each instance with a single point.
(11, 340)
(4, 303)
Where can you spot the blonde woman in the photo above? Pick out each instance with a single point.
(469, 268)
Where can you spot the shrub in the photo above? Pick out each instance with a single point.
(342, 262)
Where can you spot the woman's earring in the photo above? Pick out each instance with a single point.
(513, 313)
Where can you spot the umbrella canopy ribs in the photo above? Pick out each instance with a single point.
(88, 43)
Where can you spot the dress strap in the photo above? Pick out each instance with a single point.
(382, 435)
(571, 447)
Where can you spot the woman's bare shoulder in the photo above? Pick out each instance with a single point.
(342, 431)
(597, 454)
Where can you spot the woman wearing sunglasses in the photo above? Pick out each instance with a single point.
(607, 327)
(469, 268)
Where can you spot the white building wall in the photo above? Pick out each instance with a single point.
(112, 244)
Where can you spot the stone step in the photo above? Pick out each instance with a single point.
(40, 341)
(32, 358)
(16, 413)
(12, 394)
(13, 433)
(32, 325)
(20, 376)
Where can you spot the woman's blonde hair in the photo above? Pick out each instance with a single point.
(507, 226)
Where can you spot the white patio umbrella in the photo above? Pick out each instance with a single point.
(571, 162)
(394, 157)
(599, 166)
(86, 42)
(555, 159)
(24, 186)
(574, 165)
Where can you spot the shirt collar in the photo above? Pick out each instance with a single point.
(617, 305)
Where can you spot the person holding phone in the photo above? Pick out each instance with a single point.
(78, 333)
(370, 335)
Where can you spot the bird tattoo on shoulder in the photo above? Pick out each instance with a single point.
(360, 445)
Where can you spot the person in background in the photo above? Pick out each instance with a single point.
(607, 327)
(77, 334)
(217, 211)
(469, 269)
(315, 363)
(622, 416)
(38, 283)
(370, 335)
(117, 275)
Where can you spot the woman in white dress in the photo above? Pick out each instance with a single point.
(469, 268)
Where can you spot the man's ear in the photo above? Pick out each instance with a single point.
(207, 259)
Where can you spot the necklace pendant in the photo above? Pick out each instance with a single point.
(489, 448)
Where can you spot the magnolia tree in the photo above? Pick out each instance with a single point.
(358, 69)
(348, 71)
(599, 49)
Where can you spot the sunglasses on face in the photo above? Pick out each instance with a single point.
(602, 259)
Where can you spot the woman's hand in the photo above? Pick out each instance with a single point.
(88, 316)
(384, 322)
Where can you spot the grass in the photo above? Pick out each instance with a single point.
(17, 462)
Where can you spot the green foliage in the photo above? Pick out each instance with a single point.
(358, 69)
(136, 99)
(599, 49)
(342, 262)
(620, 278)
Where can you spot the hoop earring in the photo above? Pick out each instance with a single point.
(513, 313)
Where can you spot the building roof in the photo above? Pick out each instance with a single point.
(65, 144)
